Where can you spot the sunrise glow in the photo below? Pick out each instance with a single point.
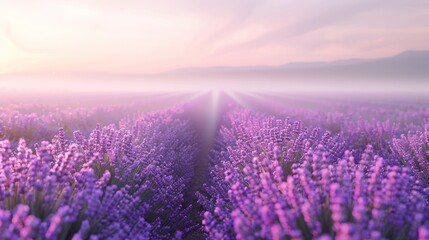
(145, 37)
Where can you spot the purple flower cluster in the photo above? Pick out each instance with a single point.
(361, 124)
(37, 122)
(412, 150)
(114, 184)
(275, 179)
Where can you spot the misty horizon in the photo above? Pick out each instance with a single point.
(403, 72)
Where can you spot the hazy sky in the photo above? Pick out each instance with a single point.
(138, 36)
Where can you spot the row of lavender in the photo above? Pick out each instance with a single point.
(124, 183)
(273, 178)
(38, 121)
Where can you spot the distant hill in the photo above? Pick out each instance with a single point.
(405, 72)
(409, 65)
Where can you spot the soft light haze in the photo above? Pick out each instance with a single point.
(145, 37)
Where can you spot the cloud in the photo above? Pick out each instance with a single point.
(326, 15)
(236, 19)
(151, 36)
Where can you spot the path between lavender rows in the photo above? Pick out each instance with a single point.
(204, 115)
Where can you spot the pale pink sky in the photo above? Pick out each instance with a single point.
(138, 36)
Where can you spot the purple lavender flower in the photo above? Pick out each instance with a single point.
(316, 189)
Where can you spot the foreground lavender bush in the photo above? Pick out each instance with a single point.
(108, 186)
(301, 184)
(413, 151)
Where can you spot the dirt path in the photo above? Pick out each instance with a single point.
(204, 114)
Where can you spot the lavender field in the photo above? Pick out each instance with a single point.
(215, 165)
(214, 120)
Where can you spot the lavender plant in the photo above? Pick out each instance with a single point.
(108, 186)
(412, 150)
(272, 179)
